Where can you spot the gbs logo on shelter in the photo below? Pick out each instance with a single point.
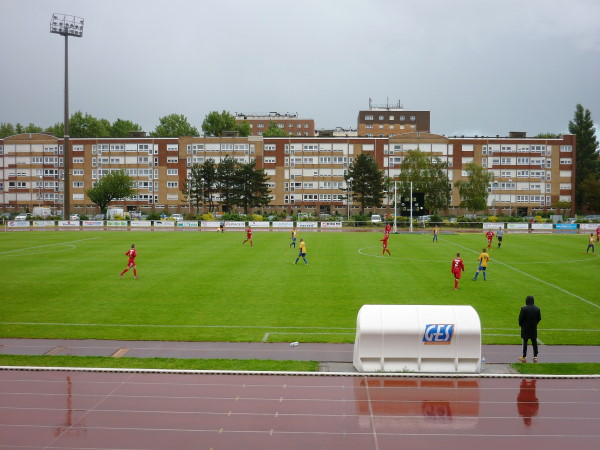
(438, 334)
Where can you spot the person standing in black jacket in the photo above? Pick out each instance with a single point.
(529, 317)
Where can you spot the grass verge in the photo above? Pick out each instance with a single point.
(159, 363)
(558, 368)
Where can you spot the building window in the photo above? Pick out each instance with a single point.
(413, 118)
(172, 171)
(368, 117)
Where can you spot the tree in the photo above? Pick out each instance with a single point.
(216, 123)
(81, 125)
(202, 184)
(590, 190)
(7, 129)
(123, 128)
(252, 187)
(368, 182)
(226, 182)
(586, 151)
(428, 175)
(174, 125)
(193, 186)
(274, 131)
(57, 130)
(115, 185)
(474, 191)
(244, 129)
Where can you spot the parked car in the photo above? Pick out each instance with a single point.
(376, 218)
(178, 217)
(74, 217)
(23, 216)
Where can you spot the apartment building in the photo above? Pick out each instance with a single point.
(391, 120)
(306, 173)
(290, 123)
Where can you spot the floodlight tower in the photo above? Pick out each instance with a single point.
(66, 26)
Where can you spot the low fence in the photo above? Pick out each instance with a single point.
(212, 225)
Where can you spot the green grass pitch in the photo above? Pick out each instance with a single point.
(207, 286)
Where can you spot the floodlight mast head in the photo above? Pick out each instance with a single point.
(66, 25)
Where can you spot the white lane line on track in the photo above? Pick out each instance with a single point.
(530, 276)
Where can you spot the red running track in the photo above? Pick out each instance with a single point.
(109, 410)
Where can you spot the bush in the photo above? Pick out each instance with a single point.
(207, 216)
(154, 215)
(234, 217)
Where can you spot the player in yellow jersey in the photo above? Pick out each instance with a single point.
(590, 243)
(293, 236)
(483, 262)
(302, 253)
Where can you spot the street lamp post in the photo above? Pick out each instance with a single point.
(349, 181)
(395, 207)
(189, 194)
(411, 207)
(510, 196)
(66, 26)
(202, 193)
(41, 199)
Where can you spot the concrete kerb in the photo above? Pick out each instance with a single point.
(292, 373)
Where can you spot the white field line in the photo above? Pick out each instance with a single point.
(170, 326)
(530, 276)
(295, 333)
(47, 245)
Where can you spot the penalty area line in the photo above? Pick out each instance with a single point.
(531, 276)
(48, 245)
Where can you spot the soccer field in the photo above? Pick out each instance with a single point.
(207, 286)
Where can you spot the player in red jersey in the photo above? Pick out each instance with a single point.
(388, 229)
(385, 245)
(490, 235)
(598, 234)
(457, 267)
(131, 263)
(248, 237)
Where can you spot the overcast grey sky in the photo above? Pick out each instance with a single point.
(482, 67)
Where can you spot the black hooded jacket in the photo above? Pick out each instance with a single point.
(529, 317)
